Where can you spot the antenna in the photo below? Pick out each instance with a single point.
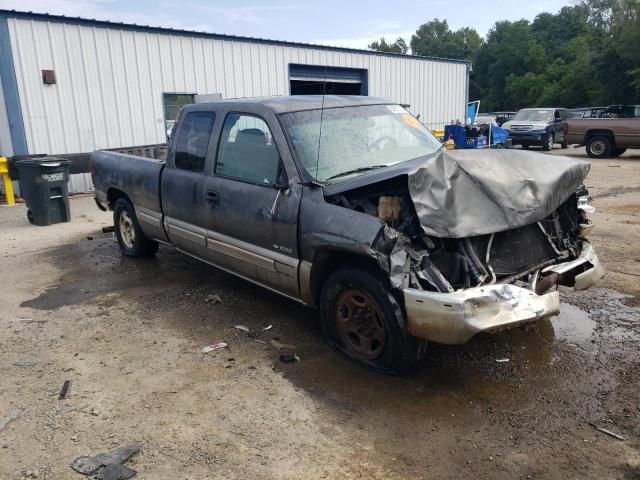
(324, 89)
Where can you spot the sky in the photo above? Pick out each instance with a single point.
(345, 23)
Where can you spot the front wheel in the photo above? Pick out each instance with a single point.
(365, 323)
(549, 140)
(131, 239)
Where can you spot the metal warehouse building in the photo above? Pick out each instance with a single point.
(72, 85)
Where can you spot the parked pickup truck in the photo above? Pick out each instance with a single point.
(604, 137)
(350, 205)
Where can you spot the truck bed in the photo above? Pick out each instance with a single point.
(136, 176)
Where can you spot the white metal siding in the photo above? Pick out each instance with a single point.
(109, 81)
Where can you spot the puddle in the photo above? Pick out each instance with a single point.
(573, 325)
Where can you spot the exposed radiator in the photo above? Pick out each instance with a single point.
(515, 251)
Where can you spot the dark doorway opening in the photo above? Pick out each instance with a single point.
(319, 79)
(311, 87)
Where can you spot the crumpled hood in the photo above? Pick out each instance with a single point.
(464, 193)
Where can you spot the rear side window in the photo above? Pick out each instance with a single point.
(247, 150)
(193, 141)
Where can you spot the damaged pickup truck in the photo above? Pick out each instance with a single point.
(350, 205)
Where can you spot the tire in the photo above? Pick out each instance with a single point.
(618, 151)
(30, 217)
(131, 239)
(564, 144)
(525, 147)
(599, 147)
(548, 141)
(385, 345)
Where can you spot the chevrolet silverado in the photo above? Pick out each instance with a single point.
(350, 205)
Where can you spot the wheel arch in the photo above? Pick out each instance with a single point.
(113, 194)
(326, 261)
(599, 132)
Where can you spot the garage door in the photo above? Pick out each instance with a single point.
(316, 80)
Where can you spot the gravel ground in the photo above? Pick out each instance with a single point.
(128, 335)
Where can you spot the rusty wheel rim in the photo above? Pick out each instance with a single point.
(360, 324)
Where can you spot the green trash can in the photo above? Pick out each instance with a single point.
(43, 185)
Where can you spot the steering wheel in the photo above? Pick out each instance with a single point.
(383, 143)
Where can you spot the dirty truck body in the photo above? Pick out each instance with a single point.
(604, 137)
(350, 205)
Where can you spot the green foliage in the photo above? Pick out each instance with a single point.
(435, 39)
(587, 54)
(584, 55)
(399, 46)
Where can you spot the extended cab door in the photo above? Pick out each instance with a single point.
(182, 182)
(254, 196)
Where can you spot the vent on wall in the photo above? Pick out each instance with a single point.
(48, 77)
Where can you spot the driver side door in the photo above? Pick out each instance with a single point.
(252, 230)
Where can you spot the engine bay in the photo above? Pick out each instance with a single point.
(417, 260)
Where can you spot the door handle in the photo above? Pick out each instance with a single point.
(212, 198)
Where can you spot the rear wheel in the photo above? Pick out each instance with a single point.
(564, 144)
(599, 147)
(365, 323)
(131, 239)
(548, 142)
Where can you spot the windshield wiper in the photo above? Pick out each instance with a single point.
(356, 170)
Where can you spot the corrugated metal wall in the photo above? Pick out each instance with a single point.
(109, 81)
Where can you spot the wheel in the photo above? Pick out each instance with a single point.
(32, 220)
(132, 240)
(564, 144)
(365, 323)
(525, 147)
(549, 140)
(618, 151)
(599, 147)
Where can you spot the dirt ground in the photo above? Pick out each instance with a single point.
(128, 335)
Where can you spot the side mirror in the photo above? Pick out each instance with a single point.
(282, 181)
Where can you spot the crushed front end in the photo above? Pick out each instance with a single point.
(456, 287)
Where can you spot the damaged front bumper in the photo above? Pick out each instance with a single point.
(453, 318)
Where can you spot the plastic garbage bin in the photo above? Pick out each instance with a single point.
(43, 185)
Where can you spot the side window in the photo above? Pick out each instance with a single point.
(193, 140)
(564, 114)
(247, 150)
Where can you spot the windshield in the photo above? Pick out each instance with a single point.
(534, 115)
(355, 139)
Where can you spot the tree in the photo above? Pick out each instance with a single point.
(399, 46)
(510, 50)
(435, 39)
